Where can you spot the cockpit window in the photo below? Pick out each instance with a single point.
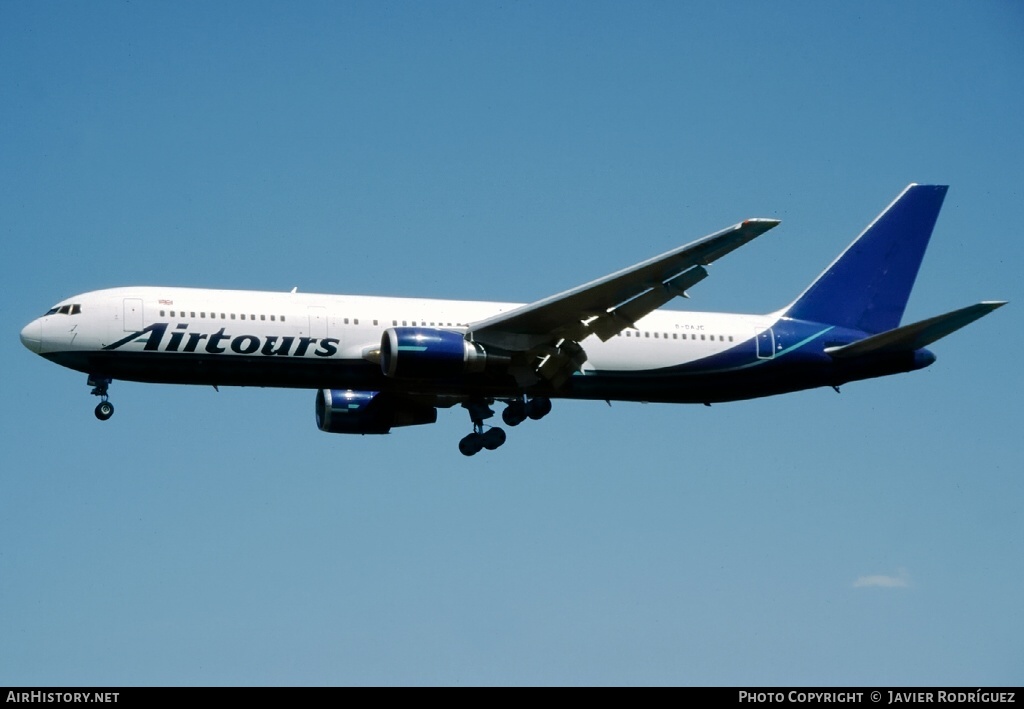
(74, 309)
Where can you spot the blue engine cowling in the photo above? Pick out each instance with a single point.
(427, 353)
(347, 411)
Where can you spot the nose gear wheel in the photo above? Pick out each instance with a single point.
(104, 410)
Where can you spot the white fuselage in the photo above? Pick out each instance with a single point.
(324, 328)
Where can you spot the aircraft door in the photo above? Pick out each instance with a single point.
(318, 321)
(133, 320)
(765, 340)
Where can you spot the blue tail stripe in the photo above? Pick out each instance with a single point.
(868, 286)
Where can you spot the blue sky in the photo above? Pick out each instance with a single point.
(509, 151)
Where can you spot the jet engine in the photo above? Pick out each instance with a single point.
(428, 353)
(348, 411)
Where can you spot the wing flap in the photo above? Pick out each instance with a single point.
(916, 335)
(623, 316)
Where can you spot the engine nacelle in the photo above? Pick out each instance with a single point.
(428, 353)
(348, 411)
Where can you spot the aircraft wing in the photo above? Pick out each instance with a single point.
(554, 326)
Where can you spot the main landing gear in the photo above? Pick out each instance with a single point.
(479, 439)
(517, 411)
(104, 409)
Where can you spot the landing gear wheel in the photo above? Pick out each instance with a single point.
(494, 438)
(471, 444)
(104, 410)
(538, 407)
(514, 414)
(100, 384)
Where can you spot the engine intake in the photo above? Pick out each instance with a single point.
(427, 353)
(348, 411)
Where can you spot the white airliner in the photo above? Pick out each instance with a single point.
(379, 363)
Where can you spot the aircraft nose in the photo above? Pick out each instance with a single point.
(32, 336)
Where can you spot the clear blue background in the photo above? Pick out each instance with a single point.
(509, 151)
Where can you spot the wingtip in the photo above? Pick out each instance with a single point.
(767, 223)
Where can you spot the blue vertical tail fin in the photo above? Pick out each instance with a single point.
(868, 286)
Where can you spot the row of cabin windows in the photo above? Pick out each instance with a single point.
(410, 323)
(424, 323)
(675, 336)
(213, 316)
(273, 318)
(406, 323)
(75, 309)
(627, 333)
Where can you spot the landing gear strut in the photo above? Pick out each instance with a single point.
(104, 409)
(479, 439)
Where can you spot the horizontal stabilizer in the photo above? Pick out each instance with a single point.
(916, 335)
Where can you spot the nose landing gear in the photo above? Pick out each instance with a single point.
(104, 409)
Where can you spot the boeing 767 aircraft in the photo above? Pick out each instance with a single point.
(379, 363)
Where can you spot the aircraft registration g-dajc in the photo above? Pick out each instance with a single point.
(379, 363)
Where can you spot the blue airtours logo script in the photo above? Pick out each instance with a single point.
(182, 340)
